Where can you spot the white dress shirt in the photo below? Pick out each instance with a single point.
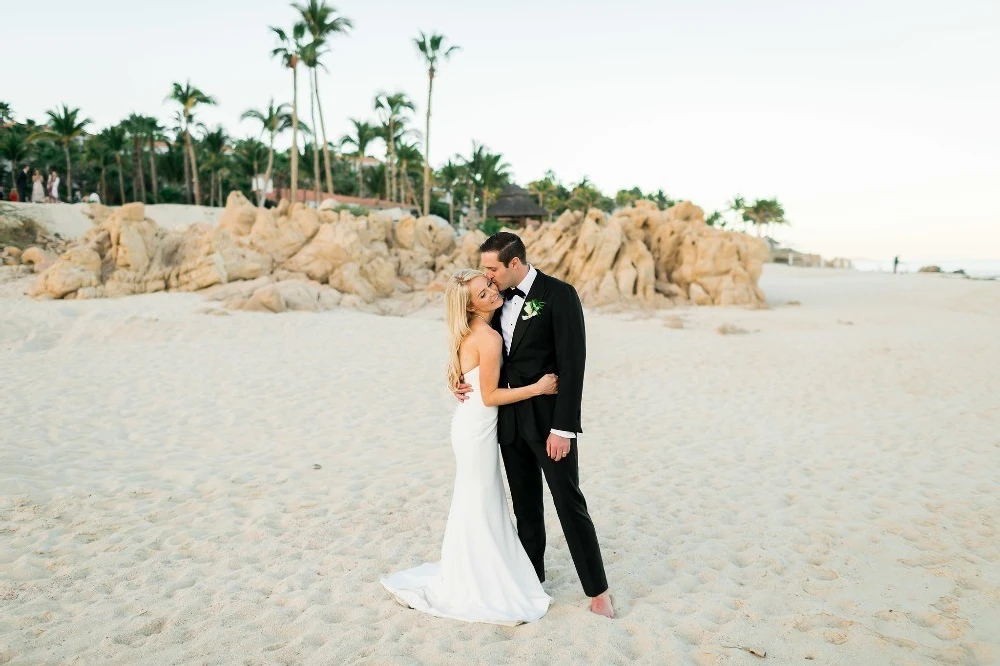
(508, 321)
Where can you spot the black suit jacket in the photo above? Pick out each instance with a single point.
(22, 180)
(554, 340)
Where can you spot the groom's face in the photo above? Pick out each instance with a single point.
(500, 275)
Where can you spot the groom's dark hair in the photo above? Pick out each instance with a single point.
(507, 246)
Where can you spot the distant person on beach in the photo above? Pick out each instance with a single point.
(54, 187)
(22, 183)
(895, 264)
(37, 188)
(13, 196)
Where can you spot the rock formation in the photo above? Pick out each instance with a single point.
(298, 258)
(652, 257)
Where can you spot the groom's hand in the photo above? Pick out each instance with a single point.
(462, 389)
(557, 447)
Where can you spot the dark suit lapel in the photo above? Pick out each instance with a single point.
(522, 325)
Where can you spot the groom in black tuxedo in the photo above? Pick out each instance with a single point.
(541, 323)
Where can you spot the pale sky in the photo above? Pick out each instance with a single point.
(874, 122)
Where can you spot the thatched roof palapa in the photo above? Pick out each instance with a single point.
(516, 202)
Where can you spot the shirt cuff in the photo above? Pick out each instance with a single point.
(563, 433)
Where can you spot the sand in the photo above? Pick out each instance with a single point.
(184, 487)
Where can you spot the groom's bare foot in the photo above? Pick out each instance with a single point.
(601, 604)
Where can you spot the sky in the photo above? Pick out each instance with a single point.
(875, 122)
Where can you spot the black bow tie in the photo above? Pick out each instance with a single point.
(511, 293)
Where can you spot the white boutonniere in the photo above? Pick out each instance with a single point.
(532, 308)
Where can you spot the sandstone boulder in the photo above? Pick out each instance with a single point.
(239, 215)
(37, 258)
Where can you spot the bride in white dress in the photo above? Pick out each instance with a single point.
(484, 574)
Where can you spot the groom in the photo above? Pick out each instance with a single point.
(541, 323)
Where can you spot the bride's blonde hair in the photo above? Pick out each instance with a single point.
(457, 316)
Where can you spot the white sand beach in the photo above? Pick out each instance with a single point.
(180, 485)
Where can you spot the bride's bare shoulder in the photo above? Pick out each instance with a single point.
(484, 336)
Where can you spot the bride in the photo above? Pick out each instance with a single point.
(484, 574)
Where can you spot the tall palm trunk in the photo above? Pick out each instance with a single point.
(472, 197)
(392, 159)
(256, 171)
(427, 145)
(295, 133)
(361, 180)
(267, 175)
(385, 171)
(194, 167)
(211, 188)
(312, 119)
(326, 145)
(152, 169)
(138, 184)
(451, 207)
(121, 179)
(69, 171)
(187, 173)
(104, 185)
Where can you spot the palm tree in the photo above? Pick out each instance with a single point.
(585, 196)
(364, 134)
(135, 125)
(95, 151)
(274, 121)
(390, 109)
(64, 127)
(6, 113)
(449, 176)
(764, 212)
(246, 157)
(431, 47)
(374, 179)
(545, 189)
(663, 202)
(216, 143)
(322, 24)
(626, 198)
(113, 139)
(289, 51)
(190, 97)
(410, 163)
(495, 173)
(473, 166)
(153, 131)
(14, 148)
(310, 58)
(738, 205)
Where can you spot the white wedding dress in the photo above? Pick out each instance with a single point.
(484, 574)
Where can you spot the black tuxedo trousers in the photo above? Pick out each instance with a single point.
(525, 463)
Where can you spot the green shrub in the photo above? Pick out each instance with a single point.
(490, 226)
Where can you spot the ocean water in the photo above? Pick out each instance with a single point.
(983, 268)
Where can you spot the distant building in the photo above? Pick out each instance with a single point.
(516, 205)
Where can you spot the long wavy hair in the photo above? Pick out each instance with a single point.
(457, 316)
